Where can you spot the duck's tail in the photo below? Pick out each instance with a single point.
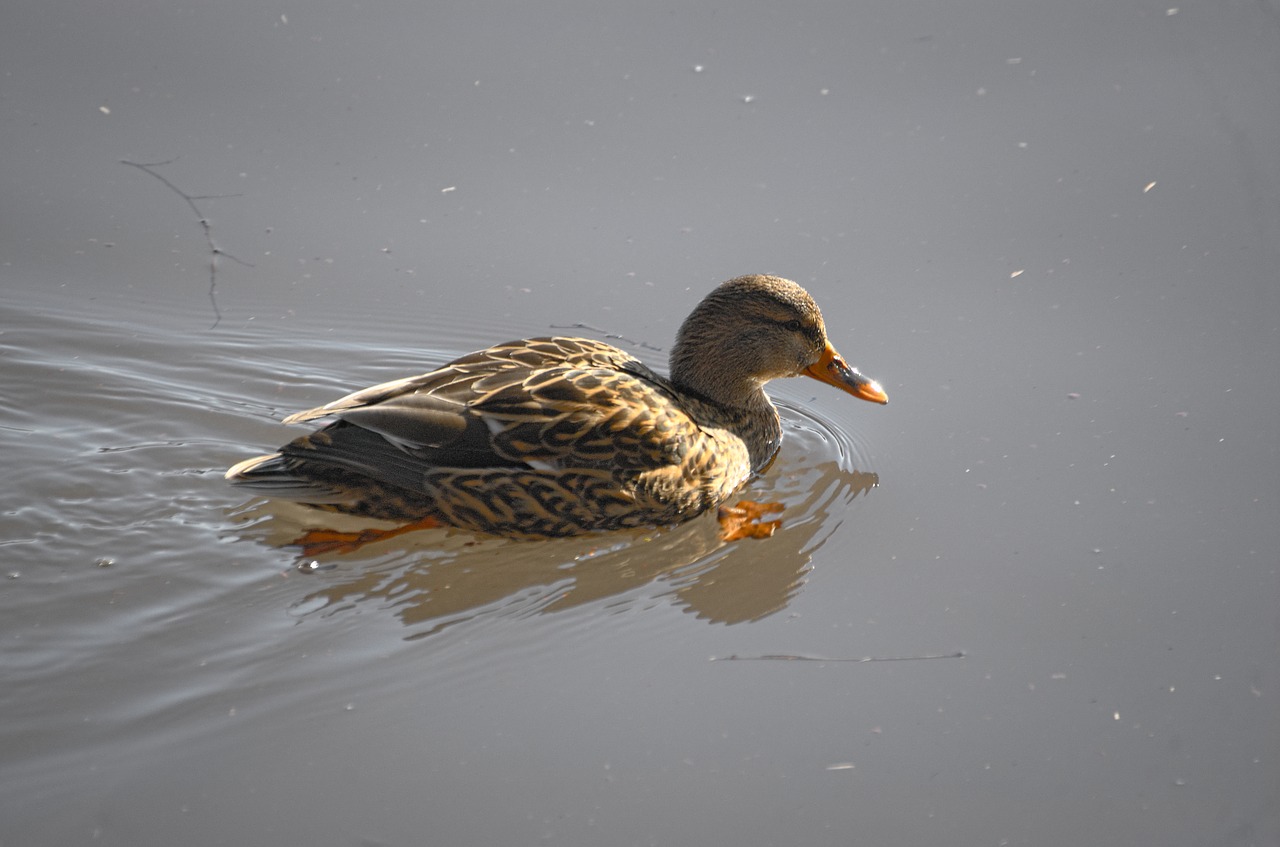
(273, 475)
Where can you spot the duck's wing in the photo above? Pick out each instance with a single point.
(546, 403)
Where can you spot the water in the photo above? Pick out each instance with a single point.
(1074, 484)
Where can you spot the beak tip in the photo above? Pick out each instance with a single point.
(876, 395)
(869, 390)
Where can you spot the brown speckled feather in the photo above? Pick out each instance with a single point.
(548, 436)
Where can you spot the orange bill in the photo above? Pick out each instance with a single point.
(833, 370)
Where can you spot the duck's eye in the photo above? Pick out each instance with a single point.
(793, 325)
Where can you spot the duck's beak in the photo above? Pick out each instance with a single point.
(833, 370)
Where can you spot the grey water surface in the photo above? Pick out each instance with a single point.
(1049, 229)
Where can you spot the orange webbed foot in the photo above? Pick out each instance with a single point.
(315, 542)
(744, 520)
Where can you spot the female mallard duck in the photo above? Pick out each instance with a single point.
(559, 436)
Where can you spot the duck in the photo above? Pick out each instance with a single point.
(561, 436)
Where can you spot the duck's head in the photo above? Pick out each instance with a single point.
(753, 329)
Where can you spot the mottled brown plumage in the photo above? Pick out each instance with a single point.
(557, 436)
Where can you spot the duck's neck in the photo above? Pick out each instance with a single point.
(762, 433)
(703, 380)
(710, 360)
(739, 406)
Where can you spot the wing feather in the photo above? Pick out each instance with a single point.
(542, 403)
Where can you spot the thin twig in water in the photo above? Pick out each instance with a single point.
(787, 657)
(214, 250)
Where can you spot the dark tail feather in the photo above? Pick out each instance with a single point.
(271, 476)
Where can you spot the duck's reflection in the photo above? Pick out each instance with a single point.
(437, 578)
